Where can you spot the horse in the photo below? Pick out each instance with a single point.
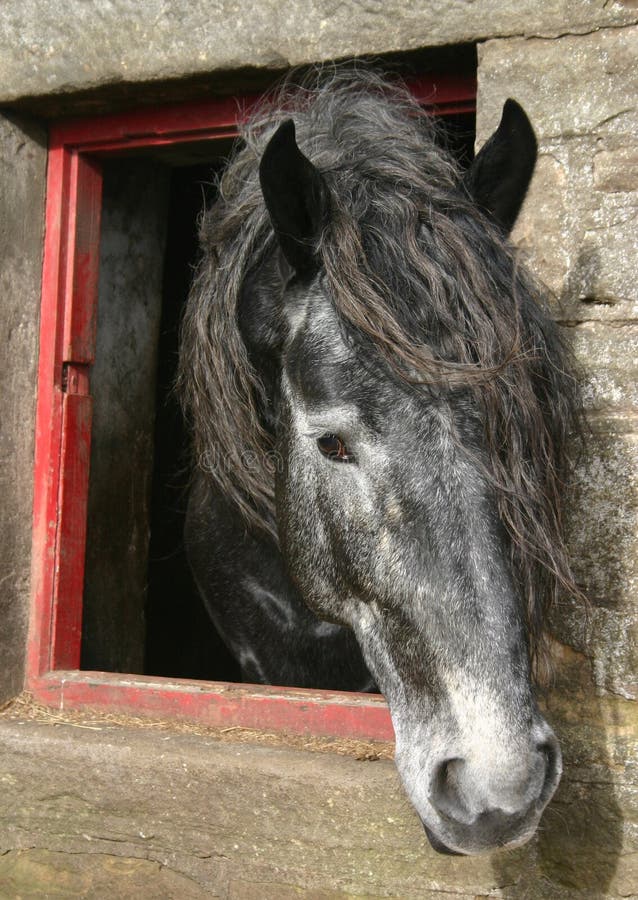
(381, 405)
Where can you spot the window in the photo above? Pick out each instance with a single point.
(122, 197)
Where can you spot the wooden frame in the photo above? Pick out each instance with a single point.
(63, 441)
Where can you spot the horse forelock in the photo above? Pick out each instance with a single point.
(422, 278)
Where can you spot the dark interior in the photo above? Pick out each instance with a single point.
(180, 638)
(153, 622)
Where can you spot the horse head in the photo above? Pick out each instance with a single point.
(389, 524)
(414, 392)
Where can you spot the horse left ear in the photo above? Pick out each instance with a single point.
(296, 198)
(500, 175)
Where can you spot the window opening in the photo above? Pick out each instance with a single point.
(112, 592)
(142, 612)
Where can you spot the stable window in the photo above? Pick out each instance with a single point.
(115, 621)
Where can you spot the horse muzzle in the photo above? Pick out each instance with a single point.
(472, 813)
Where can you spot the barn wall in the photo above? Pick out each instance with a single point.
(578, 232)
(96, 44)
(22, 174)
(571, 63)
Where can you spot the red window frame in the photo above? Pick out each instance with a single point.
(63, 440)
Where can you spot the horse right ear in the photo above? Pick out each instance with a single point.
(296, 198)
(499, 177)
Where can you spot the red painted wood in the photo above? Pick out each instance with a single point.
(151, 125)
(62, 451)
(69, 305)
(212, 119)
(220, 704)
(445, 95)
(48, 432)
(66, 634)
(85, 202)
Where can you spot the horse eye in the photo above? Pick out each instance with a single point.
(334, 448)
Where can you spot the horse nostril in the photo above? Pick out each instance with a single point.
(460, 795)
(445, 790)
(547, 751)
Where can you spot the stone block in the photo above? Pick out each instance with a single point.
(190, 816)
(606, 355)
(577, 85)
(90, 44)
(602, 526)
(578, 224)
(43, 873)
(22, 179)
(616, 169)
(577, 230)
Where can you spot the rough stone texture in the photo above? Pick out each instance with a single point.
(42, 873)
(95, 43)
(153, 813)
(579, 221)
(603, 528)
(578, 231)
(23, 153)
(608, 351)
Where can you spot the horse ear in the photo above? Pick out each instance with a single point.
(296, 198)
(500, 175)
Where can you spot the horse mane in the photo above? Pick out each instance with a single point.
(416, 271)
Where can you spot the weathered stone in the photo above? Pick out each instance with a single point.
(578, 237)
(248, 821)
(577, 86)
(616, 170)
(41, 873)
(23, 153)
(259, 890)
(577, 230)
(544, 246)
(607, 356)
(603, 538)
(43, 52)
(578, 223)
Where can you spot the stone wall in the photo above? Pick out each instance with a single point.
(22, 172)
(96, 44)
(578, 230)
(572, 64)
